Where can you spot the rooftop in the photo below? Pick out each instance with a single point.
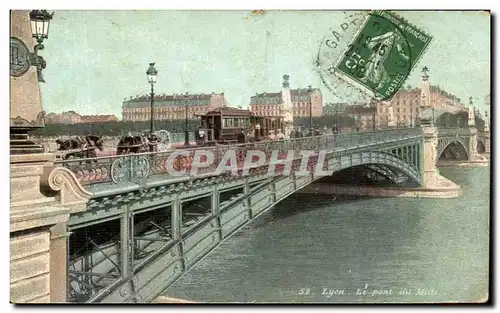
(170, 100)
(276, 98)
(200, 96)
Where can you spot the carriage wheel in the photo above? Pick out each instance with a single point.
(165, 140)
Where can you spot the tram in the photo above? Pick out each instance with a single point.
(226, 125)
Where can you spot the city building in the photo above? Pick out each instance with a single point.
(303, 102)
(99, 118)
(363, 114)
(170, 107)
(71, 117)
(407, 102)
(331, 109)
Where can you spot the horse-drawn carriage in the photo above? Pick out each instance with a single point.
(158, 141)
(79, 147)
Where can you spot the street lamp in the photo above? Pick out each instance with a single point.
(186, 133)
(152, 72)
(40, 21)
(337, 113)
(309, 91)
(411, 113)
(373, 104)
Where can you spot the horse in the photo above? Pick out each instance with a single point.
(87, 145)
(95, 141)
(136, 144)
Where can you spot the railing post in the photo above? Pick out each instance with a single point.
(176, 219)
(125, 244)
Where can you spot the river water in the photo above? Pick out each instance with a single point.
(317, 249)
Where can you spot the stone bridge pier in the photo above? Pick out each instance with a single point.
(484, 138)
(429, 155)
(435, 141)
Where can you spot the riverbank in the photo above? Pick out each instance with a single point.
(481, 161)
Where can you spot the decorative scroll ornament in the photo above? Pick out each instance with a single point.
(119, 170)
(132, 168)
(71, 193)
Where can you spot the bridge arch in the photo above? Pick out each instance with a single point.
(376, 174)
(481, 146)
(454, 147)
(377, 158)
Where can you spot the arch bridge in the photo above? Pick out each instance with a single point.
(135, 227)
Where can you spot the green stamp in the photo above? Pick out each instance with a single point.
(382, 54)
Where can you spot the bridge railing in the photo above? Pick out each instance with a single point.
(447, 131)
(136, 167)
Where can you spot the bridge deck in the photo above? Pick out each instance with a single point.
(120, 173)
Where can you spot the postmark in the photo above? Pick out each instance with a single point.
(345, 25)
(382, 54)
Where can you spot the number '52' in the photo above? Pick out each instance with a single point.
(304, 291)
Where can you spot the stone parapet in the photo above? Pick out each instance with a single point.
(30, 267)
(42, 198)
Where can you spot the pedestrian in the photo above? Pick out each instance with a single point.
(241, 136)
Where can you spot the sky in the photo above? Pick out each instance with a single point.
(95, 59)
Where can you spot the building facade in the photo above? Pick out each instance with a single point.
(405, 107)
(99, 118)
(170, 107)
(331, 109)
(71, 117)
(364, 115)
(303, 101)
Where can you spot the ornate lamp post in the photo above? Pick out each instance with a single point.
(186, 132)
(40, 22)
(337, 109)
(152, 73)
(373, 105)
(26, 111)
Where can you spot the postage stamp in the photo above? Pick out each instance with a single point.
(382, 54)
